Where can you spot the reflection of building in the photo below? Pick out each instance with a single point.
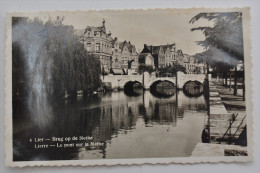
(115, 56)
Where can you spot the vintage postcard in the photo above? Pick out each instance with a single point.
(112, 87)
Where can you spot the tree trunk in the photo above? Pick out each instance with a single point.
(207, 68)
(244, 87)
(235, 82)
(222, 78)
(226, 84)
(229, 80)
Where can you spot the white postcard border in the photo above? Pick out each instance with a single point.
(110, 162)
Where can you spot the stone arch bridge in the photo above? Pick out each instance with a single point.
(147, 80)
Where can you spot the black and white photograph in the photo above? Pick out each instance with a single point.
(155, 86)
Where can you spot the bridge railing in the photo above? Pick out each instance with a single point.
(164, 75)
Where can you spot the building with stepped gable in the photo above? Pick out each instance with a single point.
(124, 57)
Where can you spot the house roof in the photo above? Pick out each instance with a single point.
(113, 41)
(95, 29)
(156, 49)
(146, 50)
(179, 51)
(129, 46)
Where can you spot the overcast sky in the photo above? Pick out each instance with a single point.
(152, 27)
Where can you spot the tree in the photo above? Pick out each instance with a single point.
(197, 70)
(51, 56)
(177, 67)
(224, 41)
(148, 68)
(172, 70)
(73, 69)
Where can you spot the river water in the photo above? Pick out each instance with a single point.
(140, 125)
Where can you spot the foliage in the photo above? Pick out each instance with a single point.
(197, 70)
(172, 70)
(148, 68)
(73, 68)
(224, 40)
(51, 57)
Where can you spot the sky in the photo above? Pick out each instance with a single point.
(151, 27)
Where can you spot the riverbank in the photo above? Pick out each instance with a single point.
(233, 103)
(227, 115)
(226, 122)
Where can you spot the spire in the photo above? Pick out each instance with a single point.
(103, 23)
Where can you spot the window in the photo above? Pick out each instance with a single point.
(97, 47)
(88, 46)
(88, 34)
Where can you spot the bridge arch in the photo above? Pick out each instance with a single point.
(131, 83)
(182, 78)
(163, 93)
(193, 88)
(152, 81)
(129, 88)
(192, 81)
(156, 82)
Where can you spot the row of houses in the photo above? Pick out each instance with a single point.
(118, 57)
(121, 57)
(166, 55)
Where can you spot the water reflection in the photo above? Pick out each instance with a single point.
(163, 92)
(193, 89)
(129, 127)
(133, 89)
(163, 89)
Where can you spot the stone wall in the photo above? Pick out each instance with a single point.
(119, 81)
(224, 127)
(183, 78)
(149, 79)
